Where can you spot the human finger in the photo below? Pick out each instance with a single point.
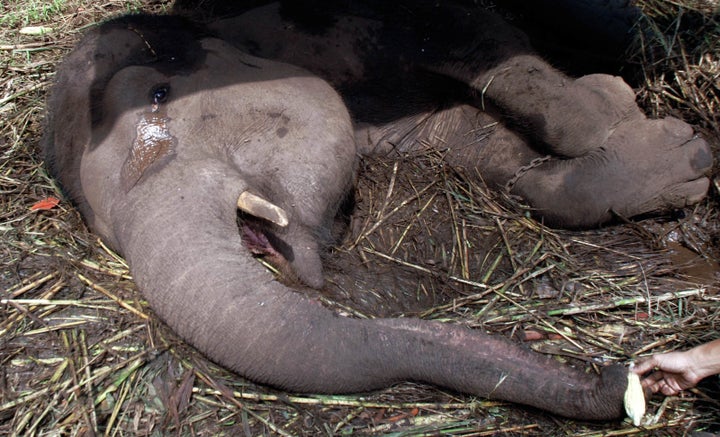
(644, 366)
(669, 388)
(653, 381)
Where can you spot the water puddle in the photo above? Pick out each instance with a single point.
(693, 266)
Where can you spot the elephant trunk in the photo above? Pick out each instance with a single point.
(183, 245)
(495, 368)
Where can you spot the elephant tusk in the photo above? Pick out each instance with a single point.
(259, 207)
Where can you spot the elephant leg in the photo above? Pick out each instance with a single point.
(609, 158)
(568, 117)
(476, 141)
(637, 166)
(484, 146)
(648, 167)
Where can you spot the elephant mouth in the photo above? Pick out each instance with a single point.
(256, 239)
(256, 216)
(266, 246)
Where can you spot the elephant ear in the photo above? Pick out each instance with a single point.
(75, 104)
(76, 100)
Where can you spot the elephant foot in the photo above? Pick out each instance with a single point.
(645, 166)
(587, 115)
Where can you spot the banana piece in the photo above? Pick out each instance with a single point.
(634, 399)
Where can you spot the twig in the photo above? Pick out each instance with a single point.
(380, 220)
(31, 285)
(603, 306)
(655, 344)
(114, 298)
(348, 401)
(683, 422)
(24, 91)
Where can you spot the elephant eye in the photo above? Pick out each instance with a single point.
(160, 94)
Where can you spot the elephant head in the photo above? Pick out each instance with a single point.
(159, 131)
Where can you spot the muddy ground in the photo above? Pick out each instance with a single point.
(81, 353)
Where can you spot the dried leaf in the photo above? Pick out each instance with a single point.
(45, 204)
(533, 335)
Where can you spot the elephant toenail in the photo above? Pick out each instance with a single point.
(702, 160)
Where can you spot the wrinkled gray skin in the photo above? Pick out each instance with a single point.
(155, 129)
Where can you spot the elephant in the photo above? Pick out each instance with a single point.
(194, 149)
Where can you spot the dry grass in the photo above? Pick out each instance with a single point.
(81, 353)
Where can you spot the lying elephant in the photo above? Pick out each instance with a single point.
(159, 131)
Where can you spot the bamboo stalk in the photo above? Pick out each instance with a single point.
(594, 307)
(346, 401)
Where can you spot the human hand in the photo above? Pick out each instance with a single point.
(674, 372)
